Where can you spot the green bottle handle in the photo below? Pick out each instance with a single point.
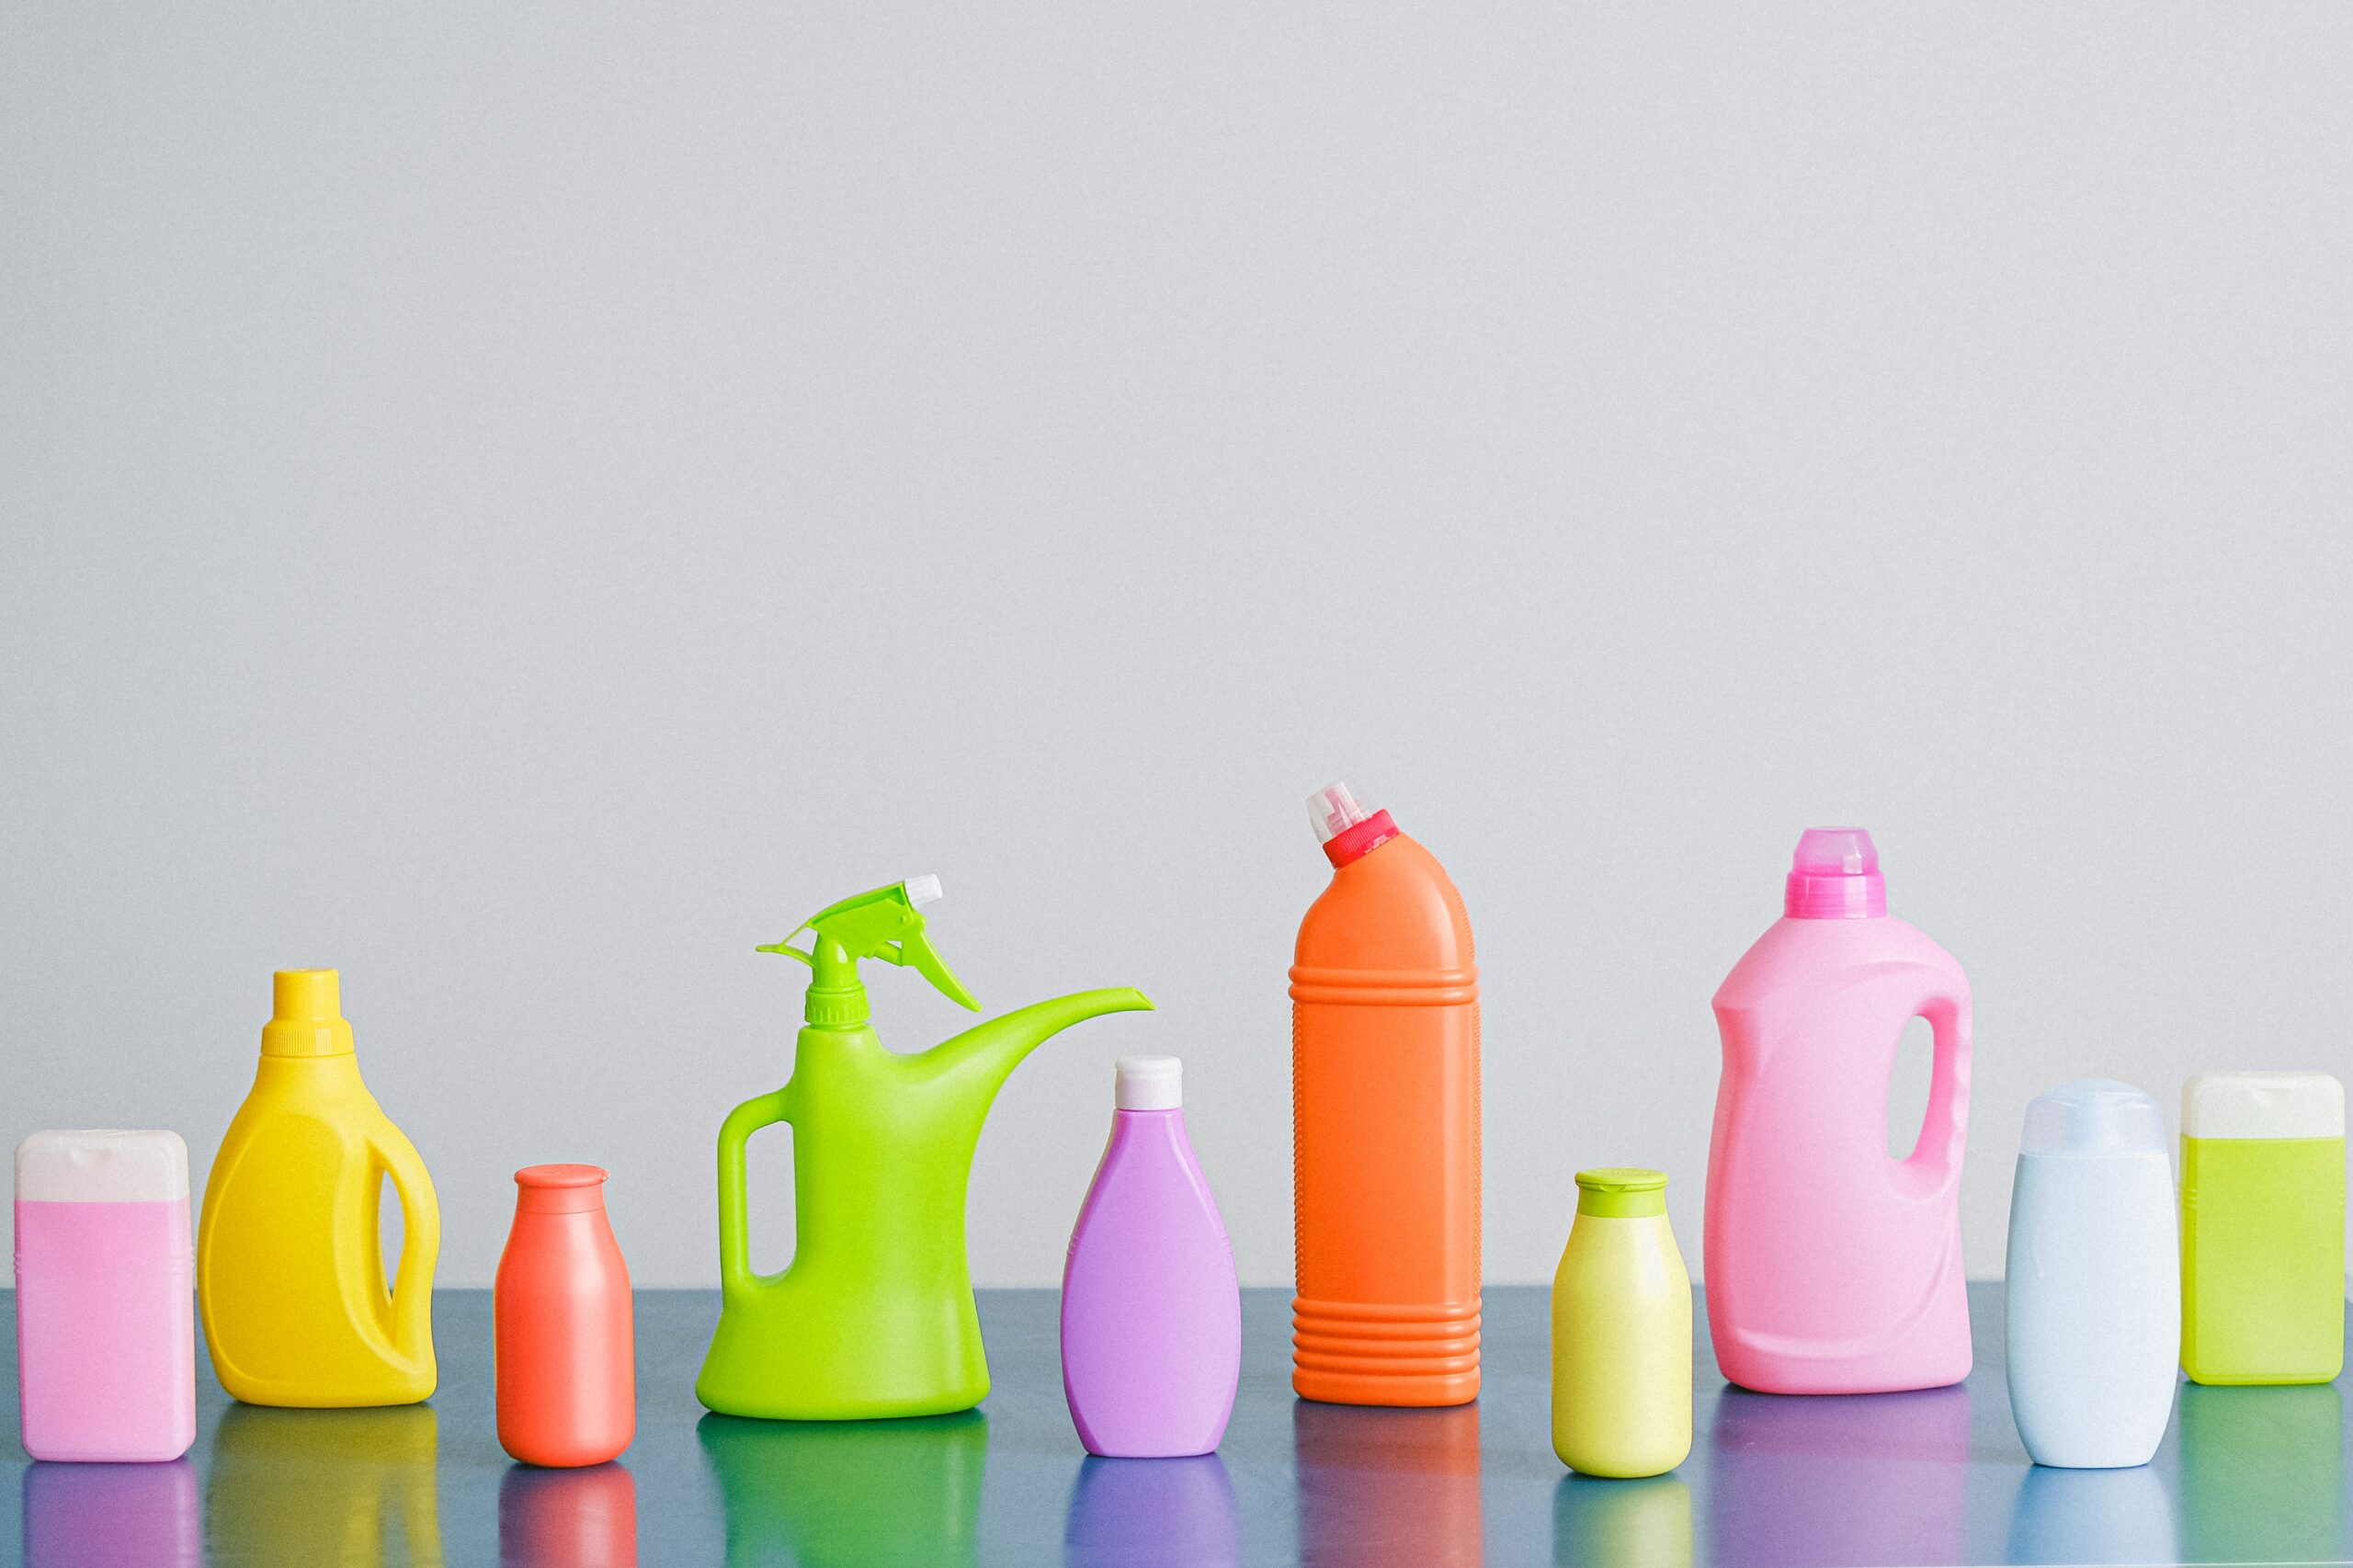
(735, 1274)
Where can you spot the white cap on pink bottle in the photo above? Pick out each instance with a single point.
(102, 1165)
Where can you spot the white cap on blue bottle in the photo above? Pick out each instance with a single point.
(2094, 1116)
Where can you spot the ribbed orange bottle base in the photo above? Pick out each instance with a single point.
(1349, 1353)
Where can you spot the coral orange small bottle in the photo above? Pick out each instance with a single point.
(567, 1358)
(1384, 1124)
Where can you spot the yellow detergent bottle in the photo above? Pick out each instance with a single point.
(290, 1274)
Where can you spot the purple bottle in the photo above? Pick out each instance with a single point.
(1151, 1315)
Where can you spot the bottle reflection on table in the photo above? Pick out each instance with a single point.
(1625, 1523)
(111, 1516)
(1838, 1481)
(1151, 1514)
(1385, 1488)
(324, 1488)
(2262, 1473)
(567, 1519)
(2092, 1516)
(819, 1494)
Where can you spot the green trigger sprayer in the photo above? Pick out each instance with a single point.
(874, 1316)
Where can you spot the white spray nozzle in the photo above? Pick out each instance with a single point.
(922, 890)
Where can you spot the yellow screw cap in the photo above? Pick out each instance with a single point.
(306, 1015)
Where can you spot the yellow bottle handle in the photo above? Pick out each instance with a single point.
(412, 1304)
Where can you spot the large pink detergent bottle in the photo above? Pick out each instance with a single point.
(1831, 1266)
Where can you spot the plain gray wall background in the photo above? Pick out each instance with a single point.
(522, 503)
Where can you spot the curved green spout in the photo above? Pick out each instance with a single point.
(874, 1316)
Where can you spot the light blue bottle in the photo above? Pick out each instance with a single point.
(2095, 1277)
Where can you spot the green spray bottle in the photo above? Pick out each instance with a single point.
(874, 1316)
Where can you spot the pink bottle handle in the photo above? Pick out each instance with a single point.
(1944, 1128)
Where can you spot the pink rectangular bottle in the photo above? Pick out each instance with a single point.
(1833, 1267)
(106, 1310)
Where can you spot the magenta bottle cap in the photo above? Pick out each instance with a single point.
(1835, 876)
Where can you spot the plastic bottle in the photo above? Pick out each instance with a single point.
(105, 1338)
(2262, 1228)
(2094, 1297)
(289, 1272)
(566, 1351)
(1385, 1123)
(1151, 1315)
(1621, 1332)
(874, 1316)
(1831, 1266)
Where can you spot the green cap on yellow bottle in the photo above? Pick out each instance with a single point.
(1622, 1192)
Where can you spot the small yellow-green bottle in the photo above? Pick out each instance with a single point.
(1621, 1332)
(2262, 1228)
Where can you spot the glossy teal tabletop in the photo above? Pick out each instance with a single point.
(2246, 1475)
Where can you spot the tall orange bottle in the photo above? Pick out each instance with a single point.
(1384, 1124)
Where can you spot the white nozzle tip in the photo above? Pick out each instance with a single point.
(1151, 1083)
(1335, 808)
(922, 890)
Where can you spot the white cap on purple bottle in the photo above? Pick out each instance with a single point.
(1151, 1083)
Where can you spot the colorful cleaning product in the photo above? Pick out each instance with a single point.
(2094, 1292)
(289, 1270)
(105, 1336)
(1151, 1315)
(1622, 1331)
(563, 1324)
(2262, 1228)
(1834, 1267)
(1384, 1124)
(874, 1317)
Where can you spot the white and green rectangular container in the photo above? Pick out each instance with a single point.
(2262, 1228)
